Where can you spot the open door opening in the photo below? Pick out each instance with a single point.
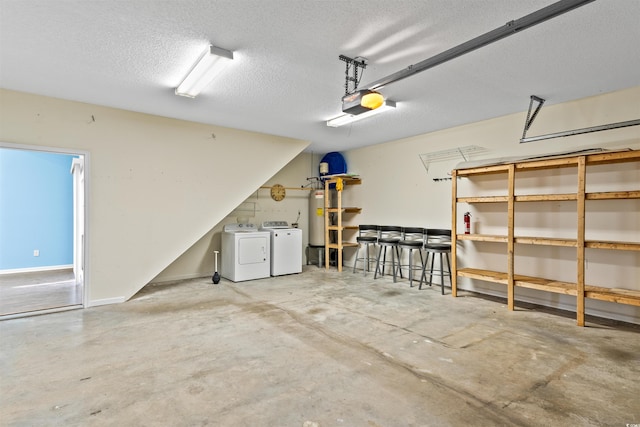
(42, 262)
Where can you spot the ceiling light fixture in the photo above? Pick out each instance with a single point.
(344, 119)
(208, 66)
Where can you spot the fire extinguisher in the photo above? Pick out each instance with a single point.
(467, 223)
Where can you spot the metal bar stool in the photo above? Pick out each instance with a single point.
(437, 242)
(389, 237)
(367, 236)
(412, 240)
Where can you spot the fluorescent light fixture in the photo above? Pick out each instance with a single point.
(344, 119)
(210, 64)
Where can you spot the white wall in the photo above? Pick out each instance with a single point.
(397, 190)
(156, 185)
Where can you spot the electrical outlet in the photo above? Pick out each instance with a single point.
(36, 252)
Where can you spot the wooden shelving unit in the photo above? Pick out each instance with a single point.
(337, 230)
(512, 280)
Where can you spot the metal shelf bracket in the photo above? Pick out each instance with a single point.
(531, 117)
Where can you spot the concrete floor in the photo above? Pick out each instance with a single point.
(41, 290)
(320, 348)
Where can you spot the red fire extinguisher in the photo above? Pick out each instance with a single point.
(467, 223)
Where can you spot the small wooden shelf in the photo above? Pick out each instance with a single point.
(344, 227)
(344, 245)
(335, 231)
(351, 210)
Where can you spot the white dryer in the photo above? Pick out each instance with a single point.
(286, 247)
(245, 252)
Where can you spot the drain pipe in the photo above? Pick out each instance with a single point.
(510, 28)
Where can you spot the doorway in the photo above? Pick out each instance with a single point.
(43, 211)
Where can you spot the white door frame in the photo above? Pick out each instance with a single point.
(77, 170)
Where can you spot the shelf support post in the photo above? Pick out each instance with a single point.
(327, 257)
(580, 240)
(511, 239)
(454, 240)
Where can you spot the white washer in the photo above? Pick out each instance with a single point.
(286, 247)
(245, 252)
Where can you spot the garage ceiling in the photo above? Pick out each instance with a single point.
(287, 79)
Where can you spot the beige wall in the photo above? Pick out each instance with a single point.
(198, 261)
(397, 190)
(156, 185)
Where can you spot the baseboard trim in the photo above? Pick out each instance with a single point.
(181, 277)
(36, 269)
(106, 301)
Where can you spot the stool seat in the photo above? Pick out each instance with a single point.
(433, 247)
(410, 243)
(412, 240)
(390, 240)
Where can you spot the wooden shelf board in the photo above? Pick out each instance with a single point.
(344, 245)
(546, 285)
(346, 179)
(605, 195)
(520, 280)
(548, 241)
(486, 275)
(483, 199)
(547, 163)
(622, 296)
(620, 246)
(610, 195)
(344, 227)
(345, 210)
(483, 170)
(612, 157)
(546, 197)
(352, 210)
(482, 238)
(551, 241)
(618, 295)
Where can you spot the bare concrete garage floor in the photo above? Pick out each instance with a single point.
(315, 349)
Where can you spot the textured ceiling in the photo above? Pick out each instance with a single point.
(287, 80)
